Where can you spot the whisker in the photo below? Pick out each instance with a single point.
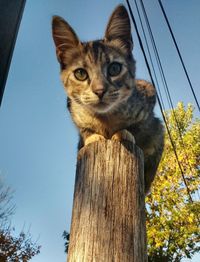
(113, 96)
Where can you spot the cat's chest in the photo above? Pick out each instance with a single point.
(106, 124)
(126, 114)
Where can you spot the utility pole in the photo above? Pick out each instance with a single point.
(108, 220)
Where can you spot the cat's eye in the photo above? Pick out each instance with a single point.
(114, 69)
(81, 74)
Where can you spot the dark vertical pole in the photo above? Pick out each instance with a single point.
(10, 16)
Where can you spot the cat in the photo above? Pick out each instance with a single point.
(105, 99)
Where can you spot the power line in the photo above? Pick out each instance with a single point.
(179, 53)
(159, 101)
(150, 57)
(170, 103)
(163, 78)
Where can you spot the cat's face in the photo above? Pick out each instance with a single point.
(99, 75)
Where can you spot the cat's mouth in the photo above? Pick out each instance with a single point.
(101, 107)
(100, 104)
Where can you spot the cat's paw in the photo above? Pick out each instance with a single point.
(123, 135)
(93, 138)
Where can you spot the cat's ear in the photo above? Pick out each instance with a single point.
(64, 36)
(118, 30)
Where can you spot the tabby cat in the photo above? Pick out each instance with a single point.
(104, 98)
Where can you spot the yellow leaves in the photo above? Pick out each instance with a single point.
(152, 232)
(158, 244)
(172, 223)
(191, 218)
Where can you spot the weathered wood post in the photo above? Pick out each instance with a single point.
(108, 220)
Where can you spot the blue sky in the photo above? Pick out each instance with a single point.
(38, 140)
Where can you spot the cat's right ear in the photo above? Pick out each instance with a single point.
(64, 36)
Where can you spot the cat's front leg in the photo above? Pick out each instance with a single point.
(123, 135)
(93, 138)
(88, 136)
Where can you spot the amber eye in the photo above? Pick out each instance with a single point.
(81, 74)
(114, 69)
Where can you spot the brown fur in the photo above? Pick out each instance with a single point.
(104, 106)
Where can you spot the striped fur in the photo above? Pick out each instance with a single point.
(105, 104)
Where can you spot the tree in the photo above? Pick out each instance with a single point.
(13, 248)
(66, 236)
(172, 218)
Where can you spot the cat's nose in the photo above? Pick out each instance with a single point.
(99, 92)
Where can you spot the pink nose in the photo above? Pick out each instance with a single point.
(98, 89)
(99, 92)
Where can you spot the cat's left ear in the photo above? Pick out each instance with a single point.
(118, 30)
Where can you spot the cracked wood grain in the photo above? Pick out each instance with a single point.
(108, 220)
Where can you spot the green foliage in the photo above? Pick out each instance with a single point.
(172, 219)
(13, 248)
(66, 236)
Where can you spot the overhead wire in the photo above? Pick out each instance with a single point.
(179, 53)
(158, 98)
(164, 81)
(150, 57)
(167, 92)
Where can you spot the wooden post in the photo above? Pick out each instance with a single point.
(108, 220)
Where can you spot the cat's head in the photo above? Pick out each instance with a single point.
(99, 74)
